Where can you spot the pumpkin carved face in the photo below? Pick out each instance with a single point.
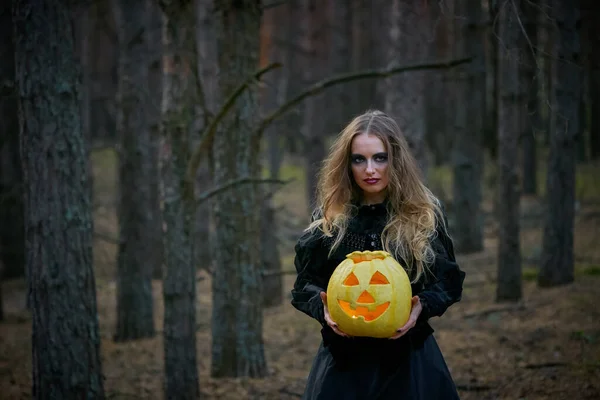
(369, 294)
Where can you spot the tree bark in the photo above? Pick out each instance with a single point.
(339, 60)
(315, 43)
(237, 347)
(207, 72)
(491, 124)
(293, 120)
(274, 28)
(549, 33)
(509, 253)
(364, 53)
(65, 335)
(84, 15)
(439, 102)
(135, 264)
(467, 154)
(592, 35)
(179, 285)
(155, 88)
(529, 44)
(103, 71)
(557, 263)
(404, 98)
(12, 237)
(272, 281)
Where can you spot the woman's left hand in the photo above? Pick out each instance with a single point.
(412, 319)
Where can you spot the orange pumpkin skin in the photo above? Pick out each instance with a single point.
(369, 294)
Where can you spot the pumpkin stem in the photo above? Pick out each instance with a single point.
(360, 256)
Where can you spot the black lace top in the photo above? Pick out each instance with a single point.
(440, 289)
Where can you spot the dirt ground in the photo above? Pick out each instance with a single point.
(545, 347)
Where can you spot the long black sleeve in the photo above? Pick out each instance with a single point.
(311, 279)
(444, 288)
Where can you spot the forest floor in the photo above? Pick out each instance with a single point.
(547, 346)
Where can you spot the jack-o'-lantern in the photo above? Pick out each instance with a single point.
(369, 294)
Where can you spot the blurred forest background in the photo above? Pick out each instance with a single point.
(158, 161)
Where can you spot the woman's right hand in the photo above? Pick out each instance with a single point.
(328, 318)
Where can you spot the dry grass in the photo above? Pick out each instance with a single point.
(546, 347)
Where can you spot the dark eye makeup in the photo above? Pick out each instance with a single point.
(378, 157)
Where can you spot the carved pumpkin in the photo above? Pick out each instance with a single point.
(369, 294)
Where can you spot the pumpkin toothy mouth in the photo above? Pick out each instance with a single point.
(363, 311)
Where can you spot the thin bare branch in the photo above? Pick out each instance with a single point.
(343, 78)
(273, 4)
(277, 272)
(546, 365)
(235, 182)
(209, 132)
(469, 387)
(524, 31)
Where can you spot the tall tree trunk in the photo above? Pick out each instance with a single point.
(549, 33)
(296, 82)
(65, 335)
(509, 252)
(405, 99)
(439, 104)
(12, 237)
(272, 279)
(1, 293)
(529, 44)
(467, 157)
(84, 15)
(103, 71)
(491, 124)
(179, 285)
(274, 29)
(592, 35)
(315, 39)
(155, 88)
(557, 262)
(135, 264)
(237, 347)
(365, 49)
(339, 58)
(207, 72)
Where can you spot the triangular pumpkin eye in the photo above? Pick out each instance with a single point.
(351, 280)
(378, 279)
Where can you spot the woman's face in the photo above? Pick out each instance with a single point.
(369, 164)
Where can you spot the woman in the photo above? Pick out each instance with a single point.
(370, 197)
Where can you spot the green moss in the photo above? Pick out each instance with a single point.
(529, 274)
(587, 270)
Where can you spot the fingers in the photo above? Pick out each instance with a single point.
(409, 325)
(412, 320)
(339, 332)
(333, 325)
(328, 318)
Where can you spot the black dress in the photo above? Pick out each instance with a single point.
(411, 367)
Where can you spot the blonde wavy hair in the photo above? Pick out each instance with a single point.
(414, 211)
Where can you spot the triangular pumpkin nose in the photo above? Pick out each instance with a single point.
(365, 297)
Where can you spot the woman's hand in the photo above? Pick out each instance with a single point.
(412, 319)
(328, 318)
